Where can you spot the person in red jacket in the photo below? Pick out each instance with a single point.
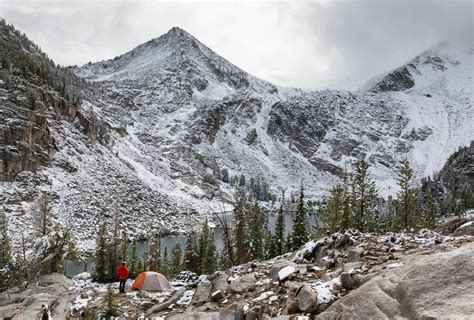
(123, 276)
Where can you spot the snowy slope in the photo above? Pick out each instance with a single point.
(172, 113)
(229, 119)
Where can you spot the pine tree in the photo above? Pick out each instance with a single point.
(212, 256)
(289, 243)
(190, 256)
(300, 232)
(270, 246)
(203, 248)
(165, 264)
(364, 197)
(430, 211)
(124, 253)
(5, 247)
(101, 255)
(134, 260)
(407, 198)
(241, 237)
(43, 215)
(256, 232)
(176, 259)
(114, 244)
(140, 266)
(109, 306)
(227, 259)
(207, 254)
(53, 250)
(154, 253)
(279, 238)
(333, 211)
(346, 222)
(5, 255)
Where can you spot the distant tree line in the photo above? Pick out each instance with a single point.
(20, 58)
(354, 203)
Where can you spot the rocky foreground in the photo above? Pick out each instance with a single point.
(344, 276)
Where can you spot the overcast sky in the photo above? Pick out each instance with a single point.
(310, 44)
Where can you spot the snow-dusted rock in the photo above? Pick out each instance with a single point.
(467, 229)
(286, 273)
(51, 290)
(434, 286)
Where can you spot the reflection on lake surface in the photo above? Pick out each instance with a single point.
(74, 268)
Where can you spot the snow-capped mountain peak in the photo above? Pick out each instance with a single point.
(445, 66)
(177, 51)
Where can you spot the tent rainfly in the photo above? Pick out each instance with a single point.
(151, 281)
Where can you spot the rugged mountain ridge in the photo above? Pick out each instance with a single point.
(251, 128)
(175, 123)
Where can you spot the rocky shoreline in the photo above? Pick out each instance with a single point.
(343, 276)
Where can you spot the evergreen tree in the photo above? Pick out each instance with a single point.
(207, 254)
(430, 211)
(5, 255)
(110, 307)
(176, 259)
(407, 198)
(346, 222)
(140, 266)
(227, 258)
(5, 247)
(279, 238)
(114, 243)
(241, 238)
(203, 248)
(53, 250)
(190, 255)
(212, 256)
(256, 234)
(289, 243)
(124, 253)
(364, 197)
(333, 211)
(101, 255)
(43, 215)
(165, 265)
(270, 245)
(154, 254)
(300, 232)
(134, 260)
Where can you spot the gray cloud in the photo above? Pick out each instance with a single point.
(306, 44)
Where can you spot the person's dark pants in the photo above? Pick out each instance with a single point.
(122, 285)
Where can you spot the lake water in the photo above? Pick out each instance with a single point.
(74, 268)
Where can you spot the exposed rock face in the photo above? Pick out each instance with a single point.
(450, 226)
(458, 172)
(397, 80)
(466, 229)
(26, 303)
(34, 92)
(437, 286)
(25, 137)
(25, 141)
